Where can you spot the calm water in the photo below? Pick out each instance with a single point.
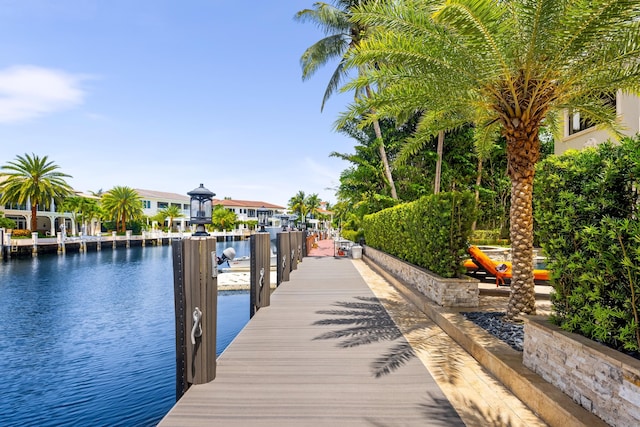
(88, 339)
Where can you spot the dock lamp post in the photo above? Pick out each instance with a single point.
(200, 209)
(263, 217)
(285, 222)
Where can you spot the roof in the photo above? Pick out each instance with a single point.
(245, 203)
(162, 195)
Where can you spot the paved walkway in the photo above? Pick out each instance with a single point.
(339, 346)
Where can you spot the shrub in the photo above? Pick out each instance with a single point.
(21, 234)
(586, 214)
(431, 232)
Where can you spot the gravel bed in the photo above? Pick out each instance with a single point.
(511, 333)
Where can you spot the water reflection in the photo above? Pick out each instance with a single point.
(88, 339)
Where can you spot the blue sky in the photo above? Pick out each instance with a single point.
(166, 94)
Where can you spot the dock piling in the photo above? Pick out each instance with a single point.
(196, 300)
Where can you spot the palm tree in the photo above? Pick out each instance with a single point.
(122, 204)
(343, 36)
(298, 205)
(33, 179)
(312, 203)
(223, 219)
(170, 212)
(521, 62)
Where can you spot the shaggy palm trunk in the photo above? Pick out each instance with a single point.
(523, 151)
(522, 298)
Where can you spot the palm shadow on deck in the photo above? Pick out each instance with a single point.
(370, 323)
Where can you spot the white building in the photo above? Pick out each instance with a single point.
(50, 221)
(579, 133)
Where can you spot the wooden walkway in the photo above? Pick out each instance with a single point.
(324, 353)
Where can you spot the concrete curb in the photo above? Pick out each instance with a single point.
(505, 363)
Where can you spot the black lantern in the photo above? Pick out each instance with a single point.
(285, 222)
(200, 209)
(263, 217)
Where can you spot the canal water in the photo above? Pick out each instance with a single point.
(89, 339)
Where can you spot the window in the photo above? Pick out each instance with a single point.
(578, 124)
(146, 204)
(163, 205)
(185, 207)
(252, 213)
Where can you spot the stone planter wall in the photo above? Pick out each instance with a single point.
(445, 292)
(602, 380)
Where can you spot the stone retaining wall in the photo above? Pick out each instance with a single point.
(461, 292)
(602, 380)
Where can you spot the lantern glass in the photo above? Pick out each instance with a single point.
(263, 217)
(200, 208)
(285, 222)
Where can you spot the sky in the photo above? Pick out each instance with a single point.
(165, 95)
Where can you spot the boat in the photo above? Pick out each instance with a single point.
(242, 263)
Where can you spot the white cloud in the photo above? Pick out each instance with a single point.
(28, 91)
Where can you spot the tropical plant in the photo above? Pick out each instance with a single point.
(342, 36)
(122, 204)
(313, 204)
(82, 209)
(171, 212)
(35, 180)
(6, 222)
(223, 219)
(297, 204)
(518, 62)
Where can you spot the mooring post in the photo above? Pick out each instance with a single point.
(299, 245)
(61, 245)
(34, 238)
(113, 236)
(195, 272)
(99, 241)
(293, 244)
(128, 236)
(282, 256)
(1, 244)
(260, 275)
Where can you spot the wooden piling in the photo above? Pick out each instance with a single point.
(283, 258)
(196, 300)
(293, 244)
(260, 275)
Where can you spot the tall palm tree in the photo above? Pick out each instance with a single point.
(342, 36)
(171, 212)
(522, 62)
(298, 205)
(122, 204)
(313, 204)
(33, 179)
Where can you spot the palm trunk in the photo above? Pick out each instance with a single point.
(522, 298)
(478, 182)
(34, 217)
(523, 151)
(436, 185)
(383, 153)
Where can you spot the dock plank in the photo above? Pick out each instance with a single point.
(311, 358)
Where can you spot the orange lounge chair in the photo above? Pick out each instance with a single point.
(480, 260)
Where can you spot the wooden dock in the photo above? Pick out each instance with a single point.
(324, 353)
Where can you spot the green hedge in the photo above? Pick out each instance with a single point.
(586, 206)
(431, 232)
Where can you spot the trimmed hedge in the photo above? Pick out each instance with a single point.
(431, 232)
(586, 210)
